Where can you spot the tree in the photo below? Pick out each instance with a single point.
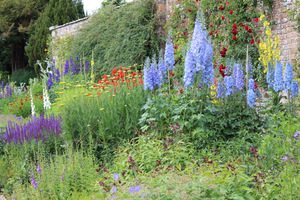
(56, 13)
(16, 17)
(114, 2)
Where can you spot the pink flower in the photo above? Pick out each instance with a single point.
(57, 39)
(227, 2)
(231, 12)
(256, 20)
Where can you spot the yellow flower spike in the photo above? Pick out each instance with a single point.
(106, 92)
(82, 91)
(128, 93)
(74, 96)
(57, 99)
(113, 95)
(101, 109)
(53, 104)
(62, 83)
(61, 104)
(61, 88)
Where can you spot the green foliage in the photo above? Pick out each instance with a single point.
(61, 175)
(206, 124)
(109, 118)
(119, 36)
(56, 13)
(149, 152)
(22, 76)
(113, 2)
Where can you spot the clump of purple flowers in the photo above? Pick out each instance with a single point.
(38, 128)
(278, 77)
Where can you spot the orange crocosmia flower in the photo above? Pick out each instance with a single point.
(134, 73)
(123, 80)
(98, 93)
(89, 94)
(22, 103)
(141, 81)
(120, 67)
(105, 80)
(94, 86)
(98, 100)
(88, 103)
(102, 76)
(140, 73)
(20, 108)
(127, 81)
(135, 84)
(117, 78)
(129, 87)
(124, 69)
(99, 82)
(114, 71)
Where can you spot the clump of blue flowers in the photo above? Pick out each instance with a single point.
(278, 77)
(169, 52)
(152, 75)
(228, 81)
(251, 93)
(189, 69)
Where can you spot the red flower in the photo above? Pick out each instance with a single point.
(211, 25)
(230, 12)
(234, 26)
(216, 32)
(20, 108)
(172, 74)
(114, 71)
(234, 38)
(181, 91)
(189, 10)
(256, 20)
(222, 18)
(22, 103)
(252, 42)
(222, 70)
(221, 7)
(211, 33)
(246, 28)
(234, 31)
(250, 30)
(176, 47)
(255, 85)
(258, 41)
(241, 24)
(184, 33)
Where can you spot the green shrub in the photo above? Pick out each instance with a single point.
(119, 36)
(22, 76)
(206, 124)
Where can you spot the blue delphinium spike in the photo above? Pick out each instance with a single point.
(228, 81)
(66, 67)
(278, 77)
(251, 84)
(57, 75)
(295, 89)
(147, 75)
(239, 77)
(251, 98)
(162, 66)
(288, 77)
(189, 69)
(169, 52)
(49, 82)
(220, 90)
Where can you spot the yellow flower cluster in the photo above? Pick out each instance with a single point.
(269, 49)
(213, 93)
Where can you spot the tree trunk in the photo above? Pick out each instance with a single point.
(18, 60)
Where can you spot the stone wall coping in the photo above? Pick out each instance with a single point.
(52, 28)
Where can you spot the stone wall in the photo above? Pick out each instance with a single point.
(68, 28)
(284, 27)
